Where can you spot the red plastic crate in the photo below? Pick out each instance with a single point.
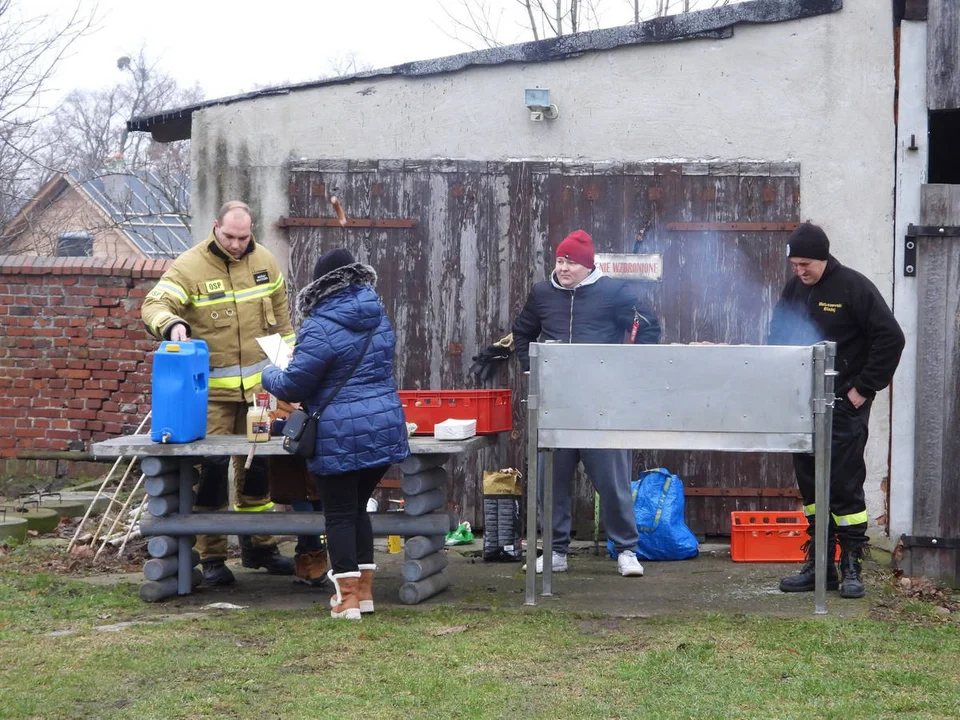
(768, 536)
(492, 409)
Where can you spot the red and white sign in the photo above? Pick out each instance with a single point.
(630, 267)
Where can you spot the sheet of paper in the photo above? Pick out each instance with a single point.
(276, 350)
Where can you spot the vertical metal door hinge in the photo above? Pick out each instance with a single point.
(910, 242)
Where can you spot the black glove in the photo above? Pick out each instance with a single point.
(497, 352)
(486, 363)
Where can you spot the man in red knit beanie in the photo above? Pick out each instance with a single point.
(579, 304)
(577, 246)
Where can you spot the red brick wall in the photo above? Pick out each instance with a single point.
(74, 357)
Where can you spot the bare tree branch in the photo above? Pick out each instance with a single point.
(533, 22)
(477, 23)
(87, 138)
(348, 63)
(31, 49)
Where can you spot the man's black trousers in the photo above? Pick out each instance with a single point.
(848, 472)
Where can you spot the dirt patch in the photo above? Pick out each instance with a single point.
(78, 562)
(927, 591)
(48, 553)
(917, 600)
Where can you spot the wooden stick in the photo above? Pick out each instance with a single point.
(338, 209)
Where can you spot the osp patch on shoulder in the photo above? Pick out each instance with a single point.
(261, 277)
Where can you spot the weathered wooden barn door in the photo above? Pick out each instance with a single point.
(449, 241)
(458, 245)
(933, 550)
(719, 284)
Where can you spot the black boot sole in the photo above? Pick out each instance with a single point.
(854, 594)
(221, 581)
(253, 565)
(808, 588)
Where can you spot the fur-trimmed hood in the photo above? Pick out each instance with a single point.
(333, 282)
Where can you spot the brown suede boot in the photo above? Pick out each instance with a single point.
(365, 591)
(311, 567)
(347, 603)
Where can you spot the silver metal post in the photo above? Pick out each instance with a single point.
(823, 360)
(547, 585)
(532, 459)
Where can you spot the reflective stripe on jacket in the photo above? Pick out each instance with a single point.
(229, 303)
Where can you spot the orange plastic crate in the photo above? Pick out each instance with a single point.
(492, 409)
(768, 536)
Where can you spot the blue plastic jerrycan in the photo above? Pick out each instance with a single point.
(179, 404)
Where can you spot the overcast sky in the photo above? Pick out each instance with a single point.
(233, 46)
(230, 46)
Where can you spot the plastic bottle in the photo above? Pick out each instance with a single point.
(394, 545)
(258, 419)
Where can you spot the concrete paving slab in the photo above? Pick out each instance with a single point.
(710, 583)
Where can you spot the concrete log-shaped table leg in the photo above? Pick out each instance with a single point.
(423, 486)
(412, 593)
(160, 568)
(163, 505)
(169, 485)
(419, 546)
(415, 570)
(154, 591)
(185, 569)
(160, 546)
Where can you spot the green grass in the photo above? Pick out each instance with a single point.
(449, 663)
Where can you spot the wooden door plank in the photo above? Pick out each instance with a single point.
(943, 55)
(937, 483)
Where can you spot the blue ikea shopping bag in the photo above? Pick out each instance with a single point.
(658, 506)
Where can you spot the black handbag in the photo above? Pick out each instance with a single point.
(300, 432)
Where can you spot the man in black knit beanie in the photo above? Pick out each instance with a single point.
(828, 301)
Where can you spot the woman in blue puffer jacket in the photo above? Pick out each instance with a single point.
(362, 431)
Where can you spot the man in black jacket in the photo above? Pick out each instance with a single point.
(827, 301)
(578, 304)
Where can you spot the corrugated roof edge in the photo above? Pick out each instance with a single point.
(717, 23)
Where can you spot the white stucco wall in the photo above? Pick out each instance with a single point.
(817, 91)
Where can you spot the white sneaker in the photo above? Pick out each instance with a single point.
(559, 563)
(628, 565)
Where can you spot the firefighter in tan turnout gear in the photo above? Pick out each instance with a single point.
(227, 291)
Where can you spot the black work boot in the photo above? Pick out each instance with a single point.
(851, 563)
(268, 558)
(216, 573)
(805, 580)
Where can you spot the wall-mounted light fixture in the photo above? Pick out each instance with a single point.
(538, 102)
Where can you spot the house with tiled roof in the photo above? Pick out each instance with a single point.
(114, 214)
